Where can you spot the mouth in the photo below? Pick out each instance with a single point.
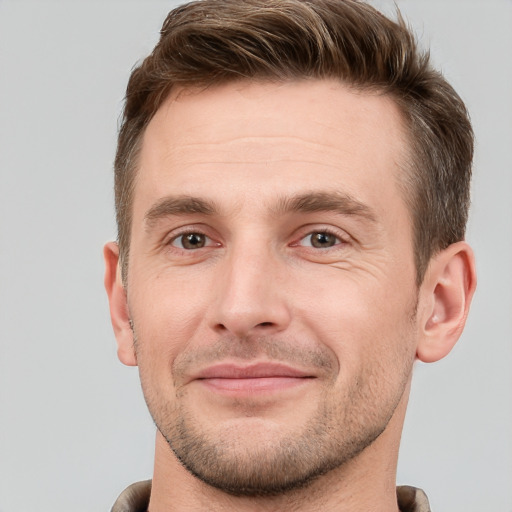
(260, 378)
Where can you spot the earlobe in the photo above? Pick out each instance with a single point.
(119, 313)
(446, 292)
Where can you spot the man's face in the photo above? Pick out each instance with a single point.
(271, 281)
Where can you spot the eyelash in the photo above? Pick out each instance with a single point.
(190, 232)
(209, 242)
(339, 239)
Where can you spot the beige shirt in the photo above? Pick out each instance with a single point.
(135, 498)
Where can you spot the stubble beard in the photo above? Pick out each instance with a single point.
(259, 468)
(224, 458)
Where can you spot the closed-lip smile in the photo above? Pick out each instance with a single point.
(263, 377)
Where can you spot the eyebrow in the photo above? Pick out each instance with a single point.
(336, 202)
(310, 202)
(178, 205)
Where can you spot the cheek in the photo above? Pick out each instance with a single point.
(166, 318)
(169, 304)
(360, 320)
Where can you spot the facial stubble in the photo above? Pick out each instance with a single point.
(282, 461)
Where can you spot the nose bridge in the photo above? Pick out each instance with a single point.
(250, 293)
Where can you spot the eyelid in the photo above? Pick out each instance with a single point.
(188, 229)
(309, 237)
(173, 241)
(309, 230)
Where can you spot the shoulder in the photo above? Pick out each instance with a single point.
(134, 498)
(412, 499)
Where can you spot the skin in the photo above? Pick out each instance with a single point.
(275, 316)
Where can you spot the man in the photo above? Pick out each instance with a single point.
(292, 184)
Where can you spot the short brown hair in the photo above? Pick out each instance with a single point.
(209, 42)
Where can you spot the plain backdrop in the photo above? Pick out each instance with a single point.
(74, 430)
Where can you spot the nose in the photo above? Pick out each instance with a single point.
(251, 296)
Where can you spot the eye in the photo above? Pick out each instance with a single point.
(190, 241)
(320, 240)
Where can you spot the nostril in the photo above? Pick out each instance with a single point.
(265, 324)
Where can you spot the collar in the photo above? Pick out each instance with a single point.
(135, 498)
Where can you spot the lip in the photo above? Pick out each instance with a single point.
(252, 371)
(233, 379)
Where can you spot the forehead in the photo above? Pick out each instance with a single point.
(252, 137)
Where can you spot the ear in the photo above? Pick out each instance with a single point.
(446, 293)
(119, 313)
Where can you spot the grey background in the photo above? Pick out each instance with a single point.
(73, 426)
